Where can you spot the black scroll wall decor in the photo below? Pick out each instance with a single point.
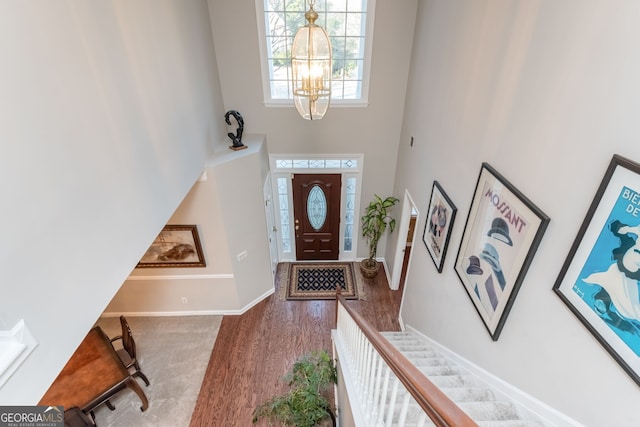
(237, 137)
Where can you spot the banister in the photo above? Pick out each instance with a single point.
(442, 411)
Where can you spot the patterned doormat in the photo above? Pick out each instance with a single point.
(320, 281)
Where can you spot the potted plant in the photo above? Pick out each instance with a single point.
(374, 223)
(305, 404)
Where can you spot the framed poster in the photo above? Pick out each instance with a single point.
(437, 228)
(175, 246)
(501, 236)
(600, 277)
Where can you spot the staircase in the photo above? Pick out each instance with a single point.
(403, 379)
(486, 406)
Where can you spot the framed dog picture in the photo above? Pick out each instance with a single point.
(600, 278)
(437, 228)
(501, 236)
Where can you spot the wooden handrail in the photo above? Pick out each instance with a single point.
(442, 411)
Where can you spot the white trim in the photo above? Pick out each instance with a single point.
(335, 103)
(192, 312)
(161, 313)
(368, 54)
(386, 270)
(519, 397)
(16, 345)
(350, 386)
(262, 48)
(408, 206)
(183, 277)
(344, 172)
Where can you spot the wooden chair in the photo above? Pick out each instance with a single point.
(74, 417)
(128, 351)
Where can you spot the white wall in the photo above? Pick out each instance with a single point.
(228, 210)
(546, 92)
(240, 189)
(372, 130)
(109, 111)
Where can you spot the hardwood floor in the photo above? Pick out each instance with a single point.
(253, 351)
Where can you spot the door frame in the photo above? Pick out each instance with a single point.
(409, 208)
(272, 227)
(283, 165)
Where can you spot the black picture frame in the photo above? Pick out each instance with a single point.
(501, 236)
(597, 281)
(175, 246)
(437, 228)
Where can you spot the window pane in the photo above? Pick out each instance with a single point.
(280, 89)
(283, 202)
(350, 192)
(336, 24)
(354, 47)
(274, 5)
(316, 164)
(355, 27)
(295, 5)
(344, 21)
(316, 207)
(352, 89)
(357, 5)
(352, 70)
(337, 6)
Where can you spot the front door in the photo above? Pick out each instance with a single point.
(316, 210)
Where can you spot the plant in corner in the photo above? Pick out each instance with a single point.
(305, 404)
(374, 223)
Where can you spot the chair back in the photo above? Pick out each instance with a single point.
(128, 343)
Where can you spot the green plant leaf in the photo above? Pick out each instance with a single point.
(304, 404)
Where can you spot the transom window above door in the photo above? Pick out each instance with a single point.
(349, 24)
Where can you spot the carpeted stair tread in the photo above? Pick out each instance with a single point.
(490, 411)
(511, 423)
(469, 392)
(456, 381)
(425, 359)
(441, 370)
(413, 347)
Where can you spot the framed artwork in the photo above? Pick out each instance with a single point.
(175, 246)
(437, 228)
(600, 277)
(501, 236)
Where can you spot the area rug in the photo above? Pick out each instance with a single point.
(313, 281)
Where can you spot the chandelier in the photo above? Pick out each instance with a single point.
(311, 67)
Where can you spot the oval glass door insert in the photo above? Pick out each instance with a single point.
(317, 207)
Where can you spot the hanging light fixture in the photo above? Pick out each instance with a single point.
(311, 64)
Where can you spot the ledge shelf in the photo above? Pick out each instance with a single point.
(15, 346)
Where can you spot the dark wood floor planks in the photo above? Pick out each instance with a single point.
(253, 351)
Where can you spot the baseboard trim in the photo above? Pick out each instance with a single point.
(524, 400)
(382, 261)
(191, 312)
(183, 277)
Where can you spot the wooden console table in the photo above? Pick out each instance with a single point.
(91, 376)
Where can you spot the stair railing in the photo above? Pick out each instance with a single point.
(380, 374)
